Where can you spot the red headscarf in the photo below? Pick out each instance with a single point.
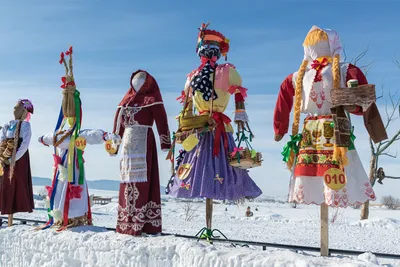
(148, 94)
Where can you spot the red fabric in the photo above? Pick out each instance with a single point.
(16, 195)
(314, 169)
(204, 61)
(149, 89)
(318, 66)
(75, 191)
(239, 97)
(353, 72)
(66, 206)
(143, 207)
(89, 214)
(221, 119)
(283, 106)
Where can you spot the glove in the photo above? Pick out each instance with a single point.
(115, 138)
(278, 137)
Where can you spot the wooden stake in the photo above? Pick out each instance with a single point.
(10, 220)
(209, 210)
(324, 231)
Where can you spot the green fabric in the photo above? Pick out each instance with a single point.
(352, 138)
(292, 145)
(77, 130)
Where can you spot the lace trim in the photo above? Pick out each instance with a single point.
(133, 217)
(241, 116)
(165, 139)
(133, 164)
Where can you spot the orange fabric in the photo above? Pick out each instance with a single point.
(211, 38)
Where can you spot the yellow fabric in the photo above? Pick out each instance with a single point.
(221, 103)
(234, 77)
(71, 150)
(322, 58)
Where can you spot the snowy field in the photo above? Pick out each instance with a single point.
(273, 222)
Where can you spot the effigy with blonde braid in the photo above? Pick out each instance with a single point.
(327, 91)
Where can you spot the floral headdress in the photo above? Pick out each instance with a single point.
(207, 36)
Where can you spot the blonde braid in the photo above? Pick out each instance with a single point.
(297, 107)
(336, 72)
(15, 147)
(339, 153)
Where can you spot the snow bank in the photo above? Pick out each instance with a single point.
(93, 246)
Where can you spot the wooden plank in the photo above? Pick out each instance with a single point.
(209, 210)
(10, 220)
(324, 230)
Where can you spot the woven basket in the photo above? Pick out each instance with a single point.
(193, 122)
(363, 95)
(246, 162)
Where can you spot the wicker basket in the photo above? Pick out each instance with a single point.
(193, 122)
(245, 162)
(363, 95)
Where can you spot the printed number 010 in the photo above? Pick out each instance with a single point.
(335, 178)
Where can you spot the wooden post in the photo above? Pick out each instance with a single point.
(10, 220)
(209, 210)
(324, 230)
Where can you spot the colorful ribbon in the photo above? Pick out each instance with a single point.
(186, 186)
(69, 52)
(182, 97)
(205, 60)
(79, 153)
(318, 65)
(65, 84)
(61, 58)
(292, 145)
(241, 89)
(352, 138)
(236, 150)
(220, 119)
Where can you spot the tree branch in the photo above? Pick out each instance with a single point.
(372, 147)
(389, 143)
(387, 154)
(381, 96)
(361, 55)
(392, 177)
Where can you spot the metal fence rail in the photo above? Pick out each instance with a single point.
(264, 245)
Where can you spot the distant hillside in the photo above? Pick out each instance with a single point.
(110, 185)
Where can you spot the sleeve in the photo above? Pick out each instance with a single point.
(353, 72)
(3, 133)
(25, 134)
(119, 128)
(118, 124)
(160, 117)
(47, 140)
(236, 88)
(283, 106)
(93, 137)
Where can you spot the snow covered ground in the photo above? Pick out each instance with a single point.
(273, 222)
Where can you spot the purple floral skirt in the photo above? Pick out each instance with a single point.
(200, 174)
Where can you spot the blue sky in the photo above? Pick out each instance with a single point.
(112, 39)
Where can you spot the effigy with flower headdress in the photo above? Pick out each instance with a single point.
(67, 200)
(212, 164)
(322, 157)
